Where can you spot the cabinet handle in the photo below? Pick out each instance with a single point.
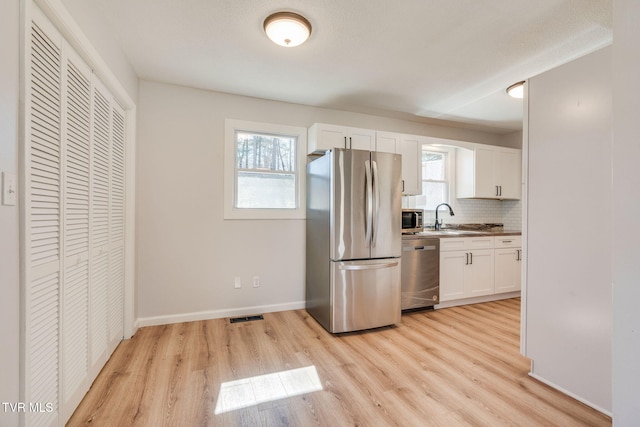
(403, 187)
(500, 190)
(345, 142)
(497, 194)
(471, 257)
(466, 258)
(350, 143)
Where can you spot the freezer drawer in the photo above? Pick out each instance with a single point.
(365, 294)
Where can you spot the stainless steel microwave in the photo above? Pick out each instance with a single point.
(412, 220)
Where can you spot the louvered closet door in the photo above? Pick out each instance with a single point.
(73, 227)
(100, 183)
(75, 289)
(43, 233)
(116, 260)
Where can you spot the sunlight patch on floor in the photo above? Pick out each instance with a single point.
(266, 388)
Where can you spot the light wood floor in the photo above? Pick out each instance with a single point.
(451, 367)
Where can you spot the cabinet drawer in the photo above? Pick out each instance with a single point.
(484, 242)
(452, 244)
(464, 243)
(508, 242)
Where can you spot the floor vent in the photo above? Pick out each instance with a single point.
(246, 318)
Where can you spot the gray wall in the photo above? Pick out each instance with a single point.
(188, 255)
(513, 139)
(568, 324)
(626, 213)
(9, 269)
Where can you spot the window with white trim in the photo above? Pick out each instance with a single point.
(264, 170)
(435, 178)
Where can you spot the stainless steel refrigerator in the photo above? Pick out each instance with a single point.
(354, 240)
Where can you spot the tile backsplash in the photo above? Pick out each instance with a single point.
(476, 211)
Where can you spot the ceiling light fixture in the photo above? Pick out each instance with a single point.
(516, 90)
(287, 28)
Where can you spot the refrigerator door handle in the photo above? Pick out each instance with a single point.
(376, 198)
(369, 202)
(368, 266)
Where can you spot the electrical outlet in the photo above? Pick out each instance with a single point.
(237, 283)
(9, 189)
(256, 281)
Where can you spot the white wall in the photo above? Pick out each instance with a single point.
(626, 213)
(188, 255)
(9, 268)
(568, 325)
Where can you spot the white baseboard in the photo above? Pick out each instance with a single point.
(568, 393)
(216, 314)
(475, 300)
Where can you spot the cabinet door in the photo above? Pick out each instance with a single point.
(508, 174)
(323, 137)
(410, 147)
(452, 266)
(361, 139)
(485, 165)
(507, 270)
(478, 274)
(387, 142)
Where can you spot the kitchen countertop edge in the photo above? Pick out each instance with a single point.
(461, 233)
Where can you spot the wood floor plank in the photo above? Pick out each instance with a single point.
(458, 366)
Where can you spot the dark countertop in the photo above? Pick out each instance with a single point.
(464, 231)
(467, 233)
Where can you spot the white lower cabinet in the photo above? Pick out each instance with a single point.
(466, 274)
(479, 266)
(508, 260)
(452, 266)
(466, 267)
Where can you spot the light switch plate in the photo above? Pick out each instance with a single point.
(9, 189)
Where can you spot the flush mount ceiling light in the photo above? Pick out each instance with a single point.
(287, 28)
(516, 90)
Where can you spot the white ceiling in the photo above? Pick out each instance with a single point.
(420, 59)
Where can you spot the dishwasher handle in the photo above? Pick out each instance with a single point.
(418, 248)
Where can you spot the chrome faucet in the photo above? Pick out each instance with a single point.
(437, 226)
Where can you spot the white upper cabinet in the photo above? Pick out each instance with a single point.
(323, 137)
(387, 142)
(361, 139)
(488, 172)
(410, 147)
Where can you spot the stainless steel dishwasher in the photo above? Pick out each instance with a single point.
(420, 272)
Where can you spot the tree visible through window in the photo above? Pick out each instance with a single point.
(265, 171)
(435, 185)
